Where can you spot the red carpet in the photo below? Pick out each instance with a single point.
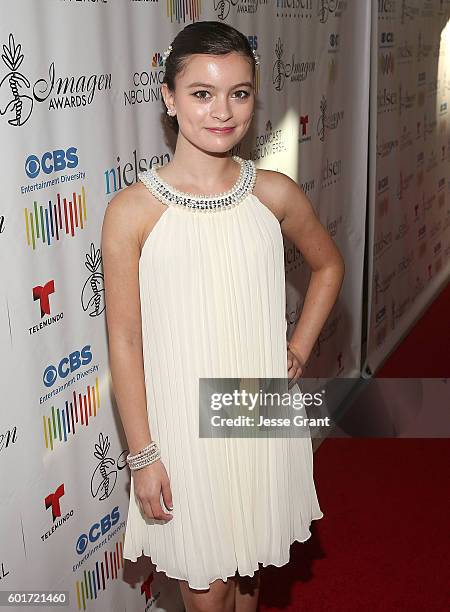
(425, 352)
(383, 542)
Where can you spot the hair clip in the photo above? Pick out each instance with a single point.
(166, 53)
(256, 56)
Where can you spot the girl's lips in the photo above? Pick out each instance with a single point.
(221, 130)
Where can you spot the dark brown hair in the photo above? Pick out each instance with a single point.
(209, 37)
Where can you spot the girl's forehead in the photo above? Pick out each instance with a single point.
(230, 59)
(233, 64)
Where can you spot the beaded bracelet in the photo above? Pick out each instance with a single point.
(144, 457)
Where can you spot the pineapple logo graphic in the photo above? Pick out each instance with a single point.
(16, 105)
(322, 119)
(280, 69)
(223, 8)
(93, 293)
(105, 475)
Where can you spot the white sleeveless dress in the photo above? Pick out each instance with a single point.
(212, 290)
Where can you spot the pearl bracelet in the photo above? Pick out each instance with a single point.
(144, 457)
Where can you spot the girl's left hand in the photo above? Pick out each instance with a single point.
(295, 366)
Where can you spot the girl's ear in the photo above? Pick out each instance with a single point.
(167, 96)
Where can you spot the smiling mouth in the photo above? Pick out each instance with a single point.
(228, 129)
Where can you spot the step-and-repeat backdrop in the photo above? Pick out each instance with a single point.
(80, 115)
(409, 209)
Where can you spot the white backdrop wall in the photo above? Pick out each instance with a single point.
(80, 113)
(409, 210)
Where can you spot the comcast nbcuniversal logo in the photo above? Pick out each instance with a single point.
(18, 95)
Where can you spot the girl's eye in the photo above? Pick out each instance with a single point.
(244, 92)
(198, 92)
(203, 91)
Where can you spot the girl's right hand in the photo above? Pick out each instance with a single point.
(149, 482)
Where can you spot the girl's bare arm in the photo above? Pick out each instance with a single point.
(302, 227)
(120, 254)
(300, 224)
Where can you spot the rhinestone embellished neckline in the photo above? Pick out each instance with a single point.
(207, 203)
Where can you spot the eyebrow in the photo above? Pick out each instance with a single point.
(198, 84)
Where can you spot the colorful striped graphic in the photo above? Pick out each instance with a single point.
(95, 579)
(182, 10)
(48, 224)
(62, 421)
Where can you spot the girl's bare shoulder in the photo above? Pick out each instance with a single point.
(132, 212)
(270, 187)
(135, 198)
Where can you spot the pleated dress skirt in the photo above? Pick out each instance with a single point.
(213, 305)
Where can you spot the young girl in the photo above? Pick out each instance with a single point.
(195, 288)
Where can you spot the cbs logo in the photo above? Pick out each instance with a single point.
(97, 529)
(51, 161)
(67, 365)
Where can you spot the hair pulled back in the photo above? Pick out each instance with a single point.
(208, 37)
